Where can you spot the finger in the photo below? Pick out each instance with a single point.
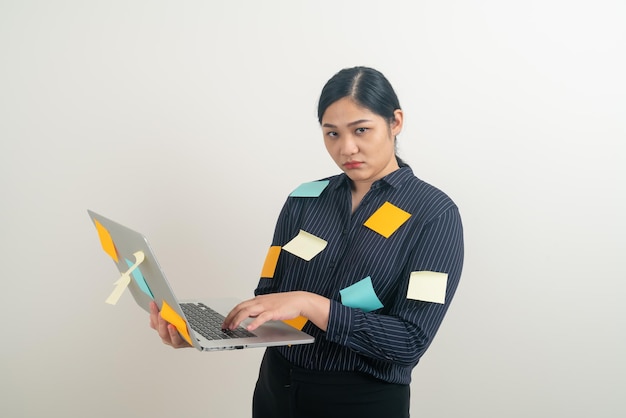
(260, 320)
(237, 314)
(163, 332)
(251, 311)
(173, 335)
(154, 314)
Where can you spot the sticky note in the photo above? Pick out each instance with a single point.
(171, 316)
(298, 323)
(361, 295)
(387, 219)
(311, 189)
(305, 245)
(271, 259)
(122, 283)
(428, 286)
(139, 279)
(106, 241)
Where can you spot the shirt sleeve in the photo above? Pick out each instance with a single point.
(405, 330)
(282, 233)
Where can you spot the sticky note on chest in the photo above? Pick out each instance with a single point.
(305, 245)
(428, 286)
(387, 219)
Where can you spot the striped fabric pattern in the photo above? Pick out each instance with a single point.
(386, 343)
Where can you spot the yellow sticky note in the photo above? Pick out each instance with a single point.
(171, 316)
(106, 241)
(305, 245)
(269, 267)
(298, 323)
(387, 219)
(428, 286)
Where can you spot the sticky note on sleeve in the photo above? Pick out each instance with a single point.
(361, 295)
(387, 219)
(269, 267)
(428, 286)
(171, 316)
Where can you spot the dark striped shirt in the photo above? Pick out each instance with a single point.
(386, 343)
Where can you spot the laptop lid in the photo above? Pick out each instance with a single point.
(148, 283)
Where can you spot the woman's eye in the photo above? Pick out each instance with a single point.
(332, 134)
(361, 130)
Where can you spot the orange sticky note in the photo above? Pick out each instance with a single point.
(171, 316)
(270, 262)
(106, 241)
(298, 323)
(387, 219)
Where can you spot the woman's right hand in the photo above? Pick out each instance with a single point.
(168, 332)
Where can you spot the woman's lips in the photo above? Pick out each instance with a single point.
(352, 164)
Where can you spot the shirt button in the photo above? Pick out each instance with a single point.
(331, 265)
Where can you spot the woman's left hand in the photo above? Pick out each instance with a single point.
(280, 306)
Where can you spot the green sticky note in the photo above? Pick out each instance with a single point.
(361, 295)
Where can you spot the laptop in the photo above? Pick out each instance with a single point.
(201, 318)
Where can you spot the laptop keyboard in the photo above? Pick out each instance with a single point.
(208, 323)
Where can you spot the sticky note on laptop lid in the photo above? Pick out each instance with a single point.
(171, 316)
(106, 241)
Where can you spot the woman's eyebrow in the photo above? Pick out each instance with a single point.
(356, 122)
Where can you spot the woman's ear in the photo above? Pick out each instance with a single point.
(396, 123)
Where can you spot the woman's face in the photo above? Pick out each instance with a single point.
(359, 141)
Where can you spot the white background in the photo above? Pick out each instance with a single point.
(191, 121)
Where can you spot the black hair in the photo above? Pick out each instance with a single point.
(367, 87)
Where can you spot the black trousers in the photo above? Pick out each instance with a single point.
(286, 391)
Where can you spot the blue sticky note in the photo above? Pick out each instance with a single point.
(141, 282)
(361, 295)
(311, 189)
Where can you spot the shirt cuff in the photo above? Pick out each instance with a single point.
(340, 323)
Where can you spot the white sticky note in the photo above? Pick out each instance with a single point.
(122, 283)
(305, 245)
(428, 286)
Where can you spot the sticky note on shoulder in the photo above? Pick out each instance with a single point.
(171, 316)
(311, 189)
(428, 286)
(387, 219)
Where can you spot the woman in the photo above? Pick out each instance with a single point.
(376, 293)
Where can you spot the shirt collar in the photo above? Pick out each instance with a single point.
(393, 179)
